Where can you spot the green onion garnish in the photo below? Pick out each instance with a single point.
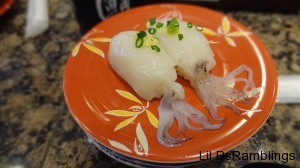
(156, 48)
(199, 28)
(189, 25)
(174, 20)
(159, 25)
(152, 30)
(168, 22)
(180, 36)
(152, 21)
(141, 34)
(172, 26)
(139, 42)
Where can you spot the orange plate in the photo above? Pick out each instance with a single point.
(5, 5)
(107, 108)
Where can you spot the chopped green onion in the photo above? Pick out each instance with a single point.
(172, 26)
(180, 36)
(189, 25)
(175, 20)
(139, 42)
(159, 25)
(141, 34)
(156, 48)
(152, 21)
(172, 29)
(172, 21)
(152, 30)
(168, 22)
(199, 28)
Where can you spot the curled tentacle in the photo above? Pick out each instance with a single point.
(171, 108)
(249, 82)
(166, 119)
(189, 112)
(216, 91)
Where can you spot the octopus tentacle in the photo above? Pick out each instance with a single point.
(240, 96)
(189, 126)
(239, 70)
(215, 91)
(233, 107)
(249, 82)
(189, 112)
(171, 108)
(246, 87)
(166, 119)
(214, 114)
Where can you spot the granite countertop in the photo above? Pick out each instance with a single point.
(36, 128)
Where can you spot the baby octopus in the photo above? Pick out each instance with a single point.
(150, 61)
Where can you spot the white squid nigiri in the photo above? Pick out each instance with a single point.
(186, 53)
(152, 74)
(194, 59)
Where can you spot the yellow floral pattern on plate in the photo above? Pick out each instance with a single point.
(132, 111)
(224, 30)
(141, 146)
(88, 43)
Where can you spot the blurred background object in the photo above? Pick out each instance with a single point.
(5, 5)
(253, 5)
(288, 89)
(91, 12)
(37, 20)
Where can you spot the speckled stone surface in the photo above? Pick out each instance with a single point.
(36, 128)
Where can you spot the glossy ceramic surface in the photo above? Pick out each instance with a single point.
(109, 110)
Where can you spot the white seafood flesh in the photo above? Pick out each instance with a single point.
(186, 53)
(194, 59)
(149, 73)
(153, 75)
